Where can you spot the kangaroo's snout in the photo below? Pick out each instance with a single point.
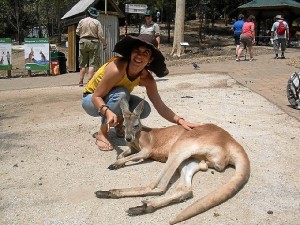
(129, 138)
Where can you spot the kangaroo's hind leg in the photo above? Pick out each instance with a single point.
(182, 191)
(158, 187)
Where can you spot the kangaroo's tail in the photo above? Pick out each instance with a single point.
(241, 162)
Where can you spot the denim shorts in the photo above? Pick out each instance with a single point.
(112, 100)
(237, 39)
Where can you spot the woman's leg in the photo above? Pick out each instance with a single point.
(250, 48)
(112, 100)
(237, 50)
(240, 52)
(102, 138)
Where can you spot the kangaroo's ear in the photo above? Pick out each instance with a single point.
(124, 105)
(139, 109)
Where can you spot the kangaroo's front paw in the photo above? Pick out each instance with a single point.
(138, 210)
(113, 167)
(121, 156)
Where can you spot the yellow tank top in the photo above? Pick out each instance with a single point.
(125, 82)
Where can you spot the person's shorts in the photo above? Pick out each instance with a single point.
(237, 39)
(89, 53)
(281, 42)
(246, 41)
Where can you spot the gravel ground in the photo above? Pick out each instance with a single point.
(50, 166)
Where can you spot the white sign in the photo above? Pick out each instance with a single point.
(136, 8)
(5, 54)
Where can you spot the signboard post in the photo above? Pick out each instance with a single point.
(5, 55)
(36, 52)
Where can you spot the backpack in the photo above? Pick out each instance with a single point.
(281, 28)
(293, 89)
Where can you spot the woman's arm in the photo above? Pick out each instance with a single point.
(253, 32)
(151, 88)
(113, 73)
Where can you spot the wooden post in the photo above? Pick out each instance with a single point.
(29, 73)
(9, 73)
(72, 48)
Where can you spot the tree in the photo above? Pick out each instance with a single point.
(14, 16)
(179, 28)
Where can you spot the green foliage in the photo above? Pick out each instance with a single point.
(17, 17)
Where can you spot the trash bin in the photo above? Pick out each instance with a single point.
(58, 63)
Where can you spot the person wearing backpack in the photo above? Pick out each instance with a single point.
(279, 36)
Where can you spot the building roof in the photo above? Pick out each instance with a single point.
(269, 8)
(270, 4)
(81, 7)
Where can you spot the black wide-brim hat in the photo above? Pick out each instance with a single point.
(125, 46)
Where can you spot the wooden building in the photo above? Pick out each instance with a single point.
(109, 18)
(265, 12)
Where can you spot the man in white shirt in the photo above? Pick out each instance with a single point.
(279, 39)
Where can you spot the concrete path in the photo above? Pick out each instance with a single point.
(50, 166)
(265, 76)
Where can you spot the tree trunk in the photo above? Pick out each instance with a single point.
(177, 49)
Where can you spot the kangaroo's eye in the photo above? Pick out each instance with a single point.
(136, 127)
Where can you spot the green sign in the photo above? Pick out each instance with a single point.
(36, 52)
(5, 54)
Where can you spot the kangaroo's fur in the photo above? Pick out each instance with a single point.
(206, 146)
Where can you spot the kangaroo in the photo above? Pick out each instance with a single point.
(30, 58)
(206, 146)
(43, 57)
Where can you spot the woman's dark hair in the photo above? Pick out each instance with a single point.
(241, 17)
(251, 18)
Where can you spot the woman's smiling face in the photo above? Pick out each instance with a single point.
(141, 55)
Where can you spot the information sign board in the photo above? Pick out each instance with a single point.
(5, 54)
(136, 8)
(36, 52)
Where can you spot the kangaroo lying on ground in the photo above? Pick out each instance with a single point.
(206, 146)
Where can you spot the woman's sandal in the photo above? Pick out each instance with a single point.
(108, 146)
(120, 133)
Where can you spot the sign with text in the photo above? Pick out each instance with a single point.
(5, 54)
(36, 52)
(136, 8)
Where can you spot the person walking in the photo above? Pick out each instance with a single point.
(151, 28)
(158, 16)
(279, 36)
(90, 32)
(247, 37)
(237, 31)
(116, 80)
